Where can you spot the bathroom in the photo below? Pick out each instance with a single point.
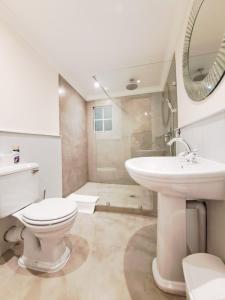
(111, 150)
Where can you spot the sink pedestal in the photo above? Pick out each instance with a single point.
(175, 180)
(171, 244)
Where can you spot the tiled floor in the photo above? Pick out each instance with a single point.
(119, 195)
(111, 260)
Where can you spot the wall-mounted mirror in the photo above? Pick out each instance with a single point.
(204, 48)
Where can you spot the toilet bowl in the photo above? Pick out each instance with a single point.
(42, 224)
(45, 226)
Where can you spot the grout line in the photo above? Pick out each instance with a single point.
(125, 210)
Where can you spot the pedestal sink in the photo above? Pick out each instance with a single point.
(176, 181)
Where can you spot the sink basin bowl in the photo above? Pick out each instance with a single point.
(176, 177)
(176, 181)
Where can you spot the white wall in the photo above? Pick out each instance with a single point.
(191, 111)
(204, 127)
(29, 104)
(208, 137)
(44, 150)
(29, 88)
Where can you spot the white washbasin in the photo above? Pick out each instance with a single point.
(176, 181)
(174, 176)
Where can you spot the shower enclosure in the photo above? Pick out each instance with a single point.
(122, 127)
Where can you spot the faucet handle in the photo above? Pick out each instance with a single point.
(195, 155)
(177, 132)
(192, 156)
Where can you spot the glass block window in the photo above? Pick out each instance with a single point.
(103, 118)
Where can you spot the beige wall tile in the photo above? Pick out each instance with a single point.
(134, 128)
(73, 130)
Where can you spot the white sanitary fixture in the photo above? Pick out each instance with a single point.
(42, 225)
(176, 180)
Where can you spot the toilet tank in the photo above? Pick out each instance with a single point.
(19, 187)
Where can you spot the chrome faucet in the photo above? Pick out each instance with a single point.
(189, 155)
(182, 141)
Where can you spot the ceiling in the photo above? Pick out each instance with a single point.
(112, 39)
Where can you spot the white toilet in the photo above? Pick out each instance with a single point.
(42, 224)
(204, 277)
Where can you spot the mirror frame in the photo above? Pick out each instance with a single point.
(199, 90)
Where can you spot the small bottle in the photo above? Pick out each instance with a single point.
(16, 152)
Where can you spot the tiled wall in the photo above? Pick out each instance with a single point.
(74, 138)
(208, 137)
(137, 125)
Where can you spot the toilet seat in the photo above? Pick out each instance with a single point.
(49, 222)
(49, 212)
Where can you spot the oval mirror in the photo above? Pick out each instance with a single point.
(204, 48)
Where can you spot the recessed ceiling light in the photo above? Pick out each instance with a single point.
(61, 91)
(138, 81)
(96, 84)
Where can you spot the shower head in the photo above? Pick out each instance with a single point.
(199, 77)
(132, 85)
(200, 74)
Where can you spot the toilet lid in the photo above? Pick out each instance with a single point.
(49, 222)
(50, 209)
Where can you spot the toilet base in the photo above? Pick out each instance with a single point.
(43, 266)
(168, 286)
